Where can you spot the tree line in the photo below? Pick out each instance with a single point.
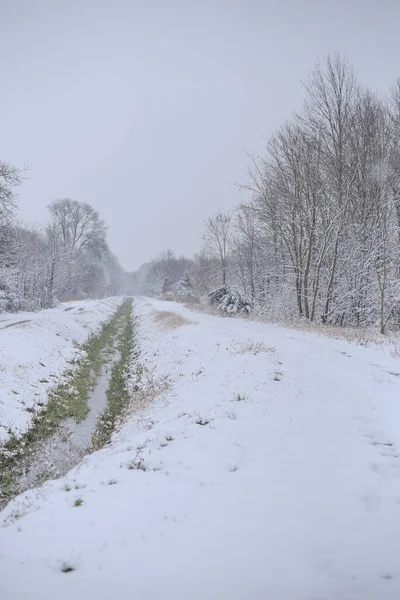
(67, 258)
(318, 235)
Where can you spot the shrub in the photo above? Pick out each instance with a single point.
(233, 302)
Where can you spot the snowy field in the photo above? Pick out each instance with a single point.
(269, 468)
(35, 349)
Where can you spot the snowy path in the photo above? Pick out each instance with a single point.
(291, 493)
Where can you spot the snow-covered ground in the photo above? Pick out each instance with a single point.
(269, 469)
(35, 349)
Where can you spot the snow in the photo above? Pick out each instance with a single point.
(292, 492)
(35, 348)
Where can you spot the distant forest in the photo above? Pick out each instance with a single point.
(67, 258)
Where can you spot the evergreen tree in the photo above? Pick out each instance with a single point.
(184, 287)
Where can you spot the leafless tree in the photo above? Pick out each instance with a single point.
(79, 225)
(217, 241)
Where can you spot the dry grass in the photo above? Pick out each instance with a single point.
(362, 337)
(141, 399)
(191, 301)
(144, 388)
(250, 347)
(168, 321)
(206, 309)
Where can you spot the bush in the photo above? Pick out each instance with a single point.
(9, 301)
(215, 297)
(233, 302)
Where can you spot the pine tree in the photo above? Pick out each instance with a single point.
(184, 287)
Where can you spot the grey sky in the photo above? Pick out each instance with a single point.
(144, 108)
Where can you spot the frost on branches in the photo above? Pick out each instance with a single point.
(317, 238)
(67, 259)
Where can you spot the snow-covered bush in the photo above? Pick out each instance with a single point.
(184, 289)
(233, 302)
(10, 300)
(3, 301)
(215, 296)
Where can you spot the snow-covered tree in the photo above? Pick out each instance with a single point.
(184, 288)
(234, 302)
(68, 258)
(318, 236)
(216, 239)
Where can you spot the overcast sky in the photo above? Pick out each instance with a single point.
(144, 108)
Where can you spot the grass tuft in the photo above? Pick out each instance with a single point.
(202, 422)
(250, 347)
(240, 398)
(67, 567)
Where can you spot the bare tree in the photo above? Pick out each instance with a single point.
(245, 248)
(10, 177)
(217, 240)
(79, 225)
